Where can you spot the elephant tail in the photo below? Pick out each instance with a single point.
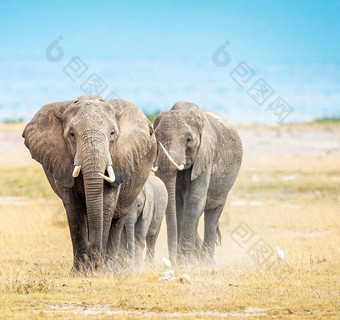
(219, 236)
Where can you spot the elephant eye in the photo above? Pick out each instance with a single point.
(112, 133)
(139, 205)
(189, 139)
(71, 134)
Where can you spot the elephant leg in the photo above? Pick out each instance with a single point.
(110, 198)
(211, 218)
(113, 244)
(123, 244)
(194, 203)
(140, 236)
(179, 212)
(150, 246)
(198, 242)
(77, 222)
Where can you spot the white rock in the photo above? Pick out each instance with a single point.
(184, 278)
(168, 274)
(280, 253)
(167, 262)
(163, 279)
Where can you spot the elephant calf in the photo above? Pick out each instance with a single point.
(144, 219)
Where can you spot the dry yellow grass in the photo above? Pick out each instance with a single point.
(14, 126)
(290, 202)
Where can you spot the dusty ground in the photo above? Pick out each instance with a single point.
(287, 195)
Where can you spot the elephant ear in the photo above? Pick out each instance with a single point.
(135, 139)
(149, 200)
(44, 138)
(206, 151)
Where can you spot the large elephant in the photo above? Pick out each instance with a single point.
(144, 220)
(199, 157)
(97, 155)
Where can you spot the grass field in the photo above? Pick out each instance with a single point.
(289, 202)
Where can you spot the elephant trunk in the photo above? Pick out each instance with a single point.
(169, 179)
(94, 206)
(94, 160)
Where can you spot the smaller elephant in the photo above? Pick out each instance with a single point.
(144, 220)
(198, 159)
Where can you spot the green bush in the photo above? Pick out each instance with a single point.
(152, 116)
(328, 120)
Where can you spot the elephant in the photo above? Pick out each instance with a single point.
(144, 220)
(97, 154)
(198, 158)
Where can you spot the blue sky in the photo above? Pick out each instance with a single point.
(154, 53)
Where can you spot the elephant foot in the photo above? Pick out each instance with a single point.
(115, 265)
(187, 260)
(173, 256)
(81, 265)
(208, 264)
(81, 272)
(207, 260)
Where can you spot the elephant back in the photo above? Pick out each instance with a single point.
(228, 153)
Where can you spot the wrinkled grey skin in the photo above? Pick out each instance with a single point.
(94, 133)
(144, 220)
(211, 152)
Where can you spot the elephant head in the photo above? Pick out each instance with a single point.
(93, 140)
(141, 207)
(186, 141)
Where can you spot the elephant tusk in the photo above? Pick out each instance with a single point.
(154, 169)
(111, 178)
(111, 173)
(108, 179)
(173, 162)
(76, 171)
